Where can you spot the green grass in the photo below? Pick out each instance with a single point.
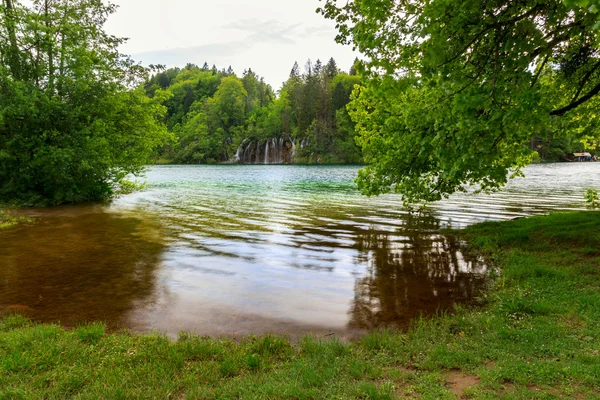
(537, 336)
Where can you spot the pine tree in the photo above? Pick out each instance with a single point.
(163, 80)
(331, 69)
(308, 68)
(352, 70)
(318, 67)
(295, 72)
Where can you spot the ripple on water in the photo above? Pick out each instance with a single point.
(240, 249)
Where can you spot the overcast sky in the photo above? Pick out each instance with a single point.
(265, 35)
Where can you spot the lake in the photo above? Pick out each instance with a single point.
(232, 250)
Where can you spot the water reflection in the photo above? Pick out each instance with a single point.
(254, 249)
(80, 264)
(420, 273)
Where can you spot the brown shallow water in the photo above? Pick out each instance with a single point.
(249, 249)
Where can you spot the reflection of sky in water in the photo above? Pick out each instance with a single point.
(243, 249)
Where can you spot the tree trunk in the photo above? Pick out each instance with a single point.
(49, 46)
(61, 70)
(13, 58)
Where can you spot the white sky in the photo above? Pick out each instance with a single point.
(265, 35)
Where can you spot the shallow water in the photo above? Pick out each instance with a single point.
(252, 249)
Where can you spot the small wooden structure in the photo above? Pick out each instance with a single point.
(583, 157)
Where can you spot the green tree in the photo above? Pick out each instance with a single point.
(309, 110)
(230, 102)
(295, 72)
(457, 89)
(71, 126)
(210, 127)
(331, 69)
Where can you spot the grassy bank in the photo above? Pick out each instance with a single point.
(538, 336)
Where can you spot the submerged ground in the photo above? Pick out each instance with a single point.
(536, 336)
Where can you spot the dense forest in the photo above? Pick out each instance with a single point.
(74, 121)
(219, 117)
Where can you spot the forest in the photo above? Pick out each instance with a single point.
(68, 99)
(77, 116)
(218, 117)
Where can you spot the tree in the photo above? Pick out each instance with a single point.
(204, 112)
(230, 102)
(252, 85)
(295, 72)
(352, 70)
(71, 126)
(318, 67)
(456, 89)
(331, 69)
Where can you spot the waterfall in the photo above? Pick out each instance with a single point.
(246, 155)
(238, 153)
(277, 150)
(267, 152)
(281, 142)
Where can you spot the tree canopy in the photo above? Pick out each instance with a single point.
(456, 89)
(73, 120)
(217, 115)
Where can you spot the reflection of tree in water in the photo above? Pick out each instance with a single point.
(80, 267)
(419, 271)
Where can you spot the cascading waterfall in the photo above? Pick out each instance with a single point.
(257, 152)
(281, 142)
(276, 150)
(238, 153)
(267, 152)
(246, 154)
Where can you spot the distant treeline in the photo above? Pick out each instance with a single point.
(217, 116)
(552, 148)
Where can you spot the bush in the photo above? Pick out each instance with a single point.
(591, 197)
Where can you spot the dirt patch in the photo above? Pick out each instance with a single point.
(458, 382)
(510, 390)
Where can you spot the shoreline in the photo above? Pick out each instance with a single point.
(535, 336)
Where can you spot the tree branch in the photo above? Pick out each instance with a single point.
(575, 104)
(550, 45)
(496, 25)
(537, 75)
(471, 42)
(585, 79)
